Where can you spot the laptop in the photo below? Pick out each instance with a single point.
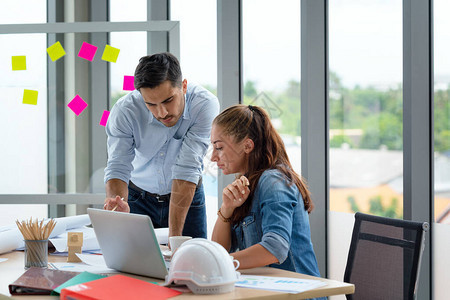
(128, 242)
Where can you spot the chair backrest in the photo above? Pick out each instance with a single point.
(384, 257)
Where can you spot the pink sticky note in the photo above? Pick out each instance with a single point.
(77, 105)
(128, 83)
(105, 117)
(87, 51)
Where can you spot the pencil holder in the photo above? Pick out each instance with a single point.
(36, 253)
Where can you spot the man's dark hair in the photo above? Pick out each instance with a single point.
(153, 70)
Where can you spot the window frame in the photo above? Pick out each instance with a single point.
(172, 28)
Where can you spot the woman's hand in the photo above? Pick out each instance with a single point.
(234, 195)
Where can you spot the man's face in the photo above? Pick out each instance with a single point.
(165, 102)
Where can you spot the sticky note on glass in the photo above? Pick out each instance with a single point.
(110, 53)
(87, 51)
(30, 97)
(56, 51)
(104, 118)
(77, 105)
(128, 83)
(19, 63)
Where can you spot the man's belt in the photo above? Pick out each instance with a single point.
(160, 198)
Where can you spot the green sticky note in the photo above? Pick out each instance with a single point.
(56, 51)
(30, 97)
(110, 53)
(80, 278)
(19, 63)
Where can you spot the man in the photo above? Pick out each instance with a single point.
(157, 138)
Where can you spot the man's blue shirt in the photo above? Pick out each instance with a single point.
(143, 150)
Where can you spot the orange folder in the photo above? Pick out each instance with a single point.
(117, 287)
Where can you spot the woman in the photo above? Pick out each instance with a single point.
(264, 214)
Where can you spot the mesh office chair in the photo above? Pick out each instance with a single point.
(384, 257)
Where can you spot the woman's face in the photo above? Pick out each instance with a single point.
(230, 157)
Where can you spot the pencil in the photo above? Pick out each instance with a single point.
(117, 205)
(36, 236)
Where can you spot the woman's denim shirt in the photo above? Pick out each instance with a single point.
(279, 222)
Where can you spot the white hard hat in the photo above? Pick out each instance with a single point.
(204, 266)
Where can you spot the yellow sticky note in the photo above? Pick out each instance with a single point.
(110, 53)
(56, 51)
(19, 63)
(30, 97)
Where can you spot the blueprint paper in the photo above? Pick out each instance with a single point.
(11, 238)
(278, 284)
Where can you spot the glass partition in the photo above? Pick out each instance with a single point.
(23, 155)
(365, 107)
(441, 228)
(198, 59)
(271, 66)
(54, 150)
(365, 119)
(127, 11)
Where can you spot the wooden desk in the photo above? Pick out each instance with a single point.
(11, 269)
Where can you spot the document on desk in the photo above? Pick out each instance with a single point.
(92, 263)
(81, 267)
(90, 242)
(11, 238)
(278, 284)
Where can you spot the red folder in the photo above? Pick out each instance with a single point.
(117, 287)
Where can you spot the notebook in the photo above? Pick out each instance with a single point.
(128, 242)
(39, 281)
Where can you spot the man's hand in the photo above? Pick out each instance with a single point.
(114, 188)
(116, 204)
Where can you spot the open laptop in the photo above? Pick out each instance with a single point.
(128, 242)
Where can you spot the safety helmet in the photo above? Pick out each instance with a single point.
(204, 266)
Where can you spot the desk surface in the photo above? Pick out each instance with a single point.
(11, 269)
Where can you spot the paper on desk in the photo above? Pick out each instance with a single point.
(92, 259)
(89, 240)
(97, 251)
(278, 284)
(82, 267)
(11, 238)
(92, 263)
(3, 259)
(90, 243)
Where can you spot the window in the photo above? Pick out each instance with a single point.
(127, 11)
(441, 230)
(24, 134)
(365, 118)
(365, 107)
(271, 66)
(54, 155)
(198, 59)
